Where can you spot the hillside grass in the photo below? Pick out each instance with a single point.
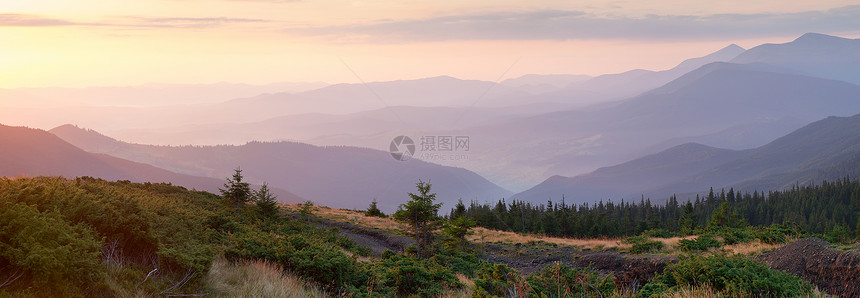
(149, 240)
(484, 235)
(256, 278)
(355, 217)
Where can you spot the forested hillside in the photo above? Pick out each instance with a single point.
(828, 208)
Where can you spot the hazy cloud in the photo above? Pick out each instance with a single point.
(192, 22)
(27, 20)
(270, 1)
(563, 25)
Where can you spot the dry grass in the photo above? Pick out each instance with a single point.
(486, 235)
(671, 244)
(256, 279)
(705, 291)
(694, 292)
(464, 292)
(352, 216)
(480, 234)
(751, 248)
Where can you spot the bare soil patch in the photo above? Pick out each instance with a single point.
(815, 260)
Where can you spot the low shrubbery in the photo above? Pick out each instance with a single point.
(701, 243)
(499, 280)
(733, 276)
(555, 280)
(642, 244)
(558, 280)
(55, 232)
(661, 233)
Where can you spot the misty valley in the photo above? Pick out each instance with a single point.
(733, 174)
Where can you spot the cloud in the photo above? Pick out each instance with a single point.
(270, 1)
(564, 25)
(28, 20)
(191, 22)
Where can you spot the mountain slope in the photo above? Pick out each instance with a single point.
(633, 176)
(634, 82)
(821, 150)
(828, 149)
(343, 177)
(815, 54)
(710, 100)
(34, 152)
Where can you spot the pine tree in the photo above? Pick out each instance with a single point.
(457, 228)
(686, 223)
(459, 210)
(236, 191)
(421, 213)
(266, 202)
(373, 210)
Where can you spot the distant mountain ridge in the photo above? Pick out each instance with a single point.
(35, 152)
(814, 54)
(634, 82)
(828, 149)
(704, 102)
(336, 176)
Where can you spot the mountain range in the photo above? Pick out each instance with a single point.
(340, 176)
(709, 121)
(35, 152)
(828, 149)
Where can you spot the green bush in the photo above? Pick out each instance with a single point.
(499, 280)
(148, 225)
(641, 245)
(735, 235)
(559, 280)
(701, 243)
(310, 252)
(458, 261)
(50, 250)
(405, 276)
(733, 276)
(776, 234)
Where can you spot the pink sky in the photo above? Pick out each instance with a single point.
(129, 42)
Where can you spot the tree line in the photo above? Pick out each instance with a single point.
(826, 208)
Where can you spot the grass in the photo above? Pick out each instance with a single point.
(708, 292)
(751, 248)
(487, 235)
(480, 234)
(461, 293)
(256, 279)
(352, 216)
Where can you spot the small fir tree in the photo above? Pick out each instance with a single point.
(266, 201)
(421, 213)
(236, 191)
(373, 210)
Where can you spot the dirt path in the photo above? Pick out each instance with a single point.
(377, 240)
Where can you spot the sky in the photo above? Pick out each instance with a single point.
(80, 43)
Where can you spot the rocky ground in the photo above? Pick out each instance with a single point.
(631, 271)
(834, 271)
